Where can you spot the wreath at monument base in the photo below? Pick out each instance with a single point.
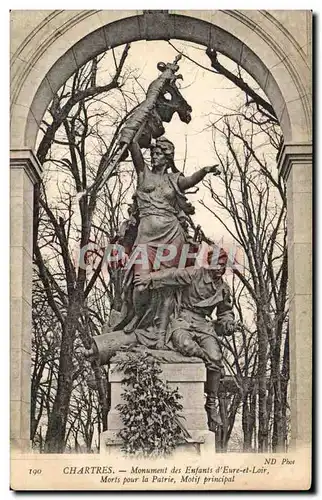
(150, 410)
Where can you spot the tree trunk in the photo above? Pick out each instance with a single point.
(248, 421)
(55, 437)
(57, 420)
(262, 388)
(102, 390)
(224, 417)
(232, 411)
(277, 438)
(285, 375)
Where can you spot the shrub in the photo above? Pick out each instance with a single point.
(150, 410)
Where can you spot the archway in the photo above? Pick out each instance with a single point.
(52, 49)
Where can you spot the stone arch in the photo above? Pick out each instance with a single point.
(261, 54)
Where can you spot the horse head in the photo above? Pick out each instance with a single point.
(171, 101)
(162, 101)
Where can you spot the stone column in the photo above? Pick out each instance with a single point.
(25, 171)
(295, 163)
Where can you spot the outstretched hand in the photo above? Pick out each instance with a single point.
(232, 327)
(142, 281)
(213, 170)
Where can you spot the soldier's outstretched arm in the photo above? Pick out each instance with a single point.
(173, 277)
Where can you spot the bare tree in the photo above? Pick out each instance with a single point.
(251, 205)
(73, 149)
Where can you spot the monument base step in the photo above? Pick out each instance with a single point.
(201, 442)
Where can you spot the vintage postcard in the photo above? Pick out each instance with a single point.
(161, 249)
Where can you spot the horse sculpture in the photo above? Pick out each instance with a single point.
(163, 99)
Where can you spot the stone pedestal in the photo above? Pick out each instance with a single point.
(188, 376)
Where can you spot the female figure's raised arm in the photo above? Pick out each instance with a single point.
(185, 183)
(137, 157)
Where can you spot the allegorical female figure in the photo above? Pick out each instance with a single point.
(160, 202)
